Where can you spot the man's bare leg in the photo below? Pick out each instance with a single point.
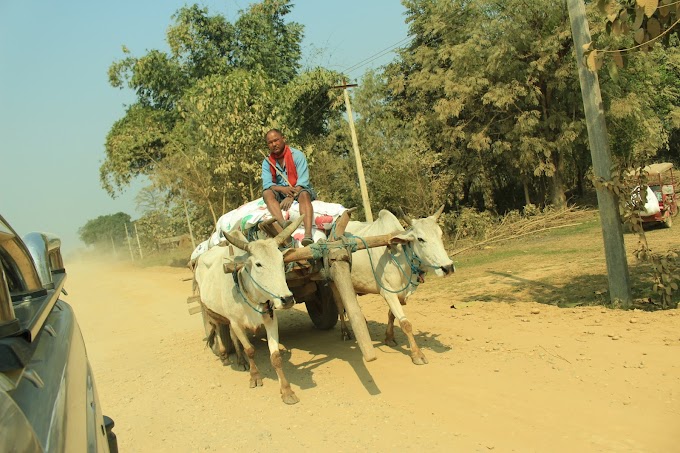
(273, 205)
(306, 209)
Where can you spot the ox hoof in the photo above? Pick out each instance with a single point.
(346, 335)
(255, 382)
(241, 364)
(419, 360)
(290, 398)
(390, 342)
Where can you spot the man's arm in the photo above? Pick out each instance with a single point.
(302, 170)
(267, 181)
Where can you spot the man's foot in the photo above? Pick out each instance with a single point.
(307, 240)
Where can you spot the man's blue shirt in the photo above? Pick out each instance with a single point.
(300, 165)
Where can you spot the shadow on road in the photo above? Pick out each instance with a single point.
(581, 290)
(297, 333)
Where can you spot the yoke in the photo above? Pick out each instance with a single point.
(319, 275)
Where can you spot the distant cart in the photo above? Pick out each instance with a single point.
(319, 276)
(661, 180)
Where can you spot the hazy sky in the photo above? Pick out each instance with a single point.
(56, 105)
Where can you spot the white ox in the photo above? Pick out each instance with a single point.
(250, 299)
(395, 271)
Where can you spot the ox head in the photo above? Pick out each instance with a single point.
(263, 272)
(426, 237)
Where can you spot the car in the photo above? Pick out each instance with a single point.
(48, 397)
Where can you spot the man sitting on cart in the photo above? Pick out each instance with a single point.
(285, 178)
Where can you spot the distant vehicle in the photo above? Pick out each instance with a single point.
(661, 182)
(48, 398)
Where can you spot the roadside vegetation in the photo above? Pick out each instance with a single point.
(480, 110)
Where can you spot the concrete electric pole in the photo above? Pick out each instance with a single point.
(357, 154)
(607, 201)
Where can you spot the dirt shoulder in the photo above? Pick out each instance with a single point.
(508, 370)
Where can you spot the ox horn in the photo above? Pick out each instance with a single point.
(438, 213)
(283, 236)
(403, 216)
(237, 242)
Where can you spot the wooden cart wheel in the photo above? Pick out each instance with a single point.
(222, 332)
(322, 309)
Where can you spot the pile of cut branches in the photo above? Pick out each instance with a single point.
(516, 225)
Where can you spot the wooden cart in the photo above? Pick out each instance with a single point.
(661, 181)
(319, 276)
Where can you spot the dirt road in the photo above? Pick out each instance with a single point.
(502, 376)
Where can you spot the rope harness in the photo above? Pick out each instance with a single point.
(237, 280)
(414, 262)
(321, 250)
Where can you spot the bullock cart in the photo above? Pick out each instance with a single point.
(661, 193)
(319, 276)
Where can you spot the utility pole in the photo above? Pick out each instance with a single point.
(113, 246)
(191, 233)
(607, 201)
(139, 246)
(357, 154)
(127, 235)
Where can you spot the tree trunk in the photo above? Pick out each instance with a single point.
(527, 200)
(212, 211)
(557, 195)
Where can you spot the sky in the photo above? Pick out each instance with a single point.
(56, 104)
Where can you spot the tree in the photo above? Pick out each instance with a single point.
(492, 88)
(497, 104)
(202, 109)
(644, 37)
(401, 170)
(104, 229)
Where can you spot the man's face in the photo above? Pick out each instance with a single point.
(276, 142)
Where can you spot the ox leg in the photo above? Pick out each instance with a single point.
(255, 376)
(389, 332)
(345, 333)
(272, 327)
(214, 340)
(222, 348)
(241, 363)
(397, 311)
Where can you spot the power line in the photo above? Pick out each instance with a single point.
(354, 67)
(377, 55)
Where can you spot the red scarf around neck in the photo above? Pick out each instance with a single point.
(289, 165)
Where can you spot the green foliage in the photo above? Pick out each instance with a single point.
(400, 170)
(468, 223)
(630, 186)
(508, 111)
(134, 145)
(493, 89)
(644, 21)
(265, 42)
(202, 109)
(104, 229)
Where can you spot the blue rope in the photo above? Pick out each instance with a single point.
(260, 286)
(244, 297)
(251, 234)
(414, 260)
(370, 258)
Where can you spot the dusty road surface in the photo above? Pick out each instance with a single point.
(505, 373)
